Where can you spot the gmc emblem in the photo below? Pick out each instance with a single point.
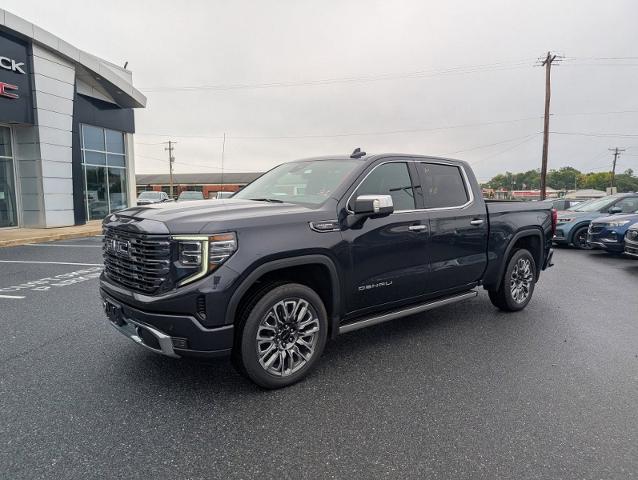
(6, 90)
(120, 248)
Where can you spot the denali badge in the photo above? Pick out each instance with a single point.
(374, 285)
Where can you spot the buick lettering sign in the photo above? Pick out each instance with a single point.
(16, 103)
(10, 64)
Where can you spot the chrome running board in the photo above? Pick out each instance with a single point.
(386, 317)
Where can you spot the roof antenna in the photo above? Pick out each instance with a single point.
(357, 153)
(125, 65)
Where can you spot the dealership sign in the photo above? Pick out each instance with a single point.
(10, 64)
(16, 104)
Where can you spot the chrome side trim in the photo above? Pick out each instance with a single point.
(386, 317)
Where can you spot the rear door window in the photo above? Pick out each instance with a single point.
(443, 185)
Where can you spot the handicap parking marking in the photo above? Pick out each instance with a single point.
(54, 281)
(36, 262)
(61, 245)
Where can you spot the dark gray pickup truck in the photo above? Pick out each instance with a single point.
(313, 249)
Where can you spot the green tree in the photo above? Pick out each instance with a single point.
(563, 178)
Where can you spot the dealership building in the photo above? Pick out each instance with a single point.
(66, 130)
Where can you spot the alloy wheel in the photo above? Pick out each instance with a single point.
(521, 280)
(287, 336)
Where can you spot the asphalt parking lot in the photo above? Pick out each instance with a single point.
(462, 392)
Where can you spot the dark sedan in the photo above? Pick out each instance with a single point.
(608, 233)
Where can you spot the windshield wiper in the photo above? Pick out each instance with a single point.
(270, 200)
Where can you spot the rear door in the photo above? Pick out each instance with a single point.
(457, 244)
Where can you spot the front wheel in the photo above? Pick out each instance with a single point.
(281, 335)
(517, 285)
(580, 239)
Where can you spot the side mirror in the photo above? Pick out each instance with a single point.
(373, 205)
(614, 210)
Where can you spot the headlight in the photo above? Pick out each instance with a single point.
(203, 254)
(619, 223)
(565, 220)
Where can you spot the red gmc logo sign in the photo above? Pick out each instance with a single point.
(6, 90)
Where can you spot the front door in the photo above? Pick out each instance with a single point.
(388, 258)
(457, 248)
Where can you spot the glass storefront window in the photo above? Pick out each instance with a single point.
(104, 159)
(8, 209)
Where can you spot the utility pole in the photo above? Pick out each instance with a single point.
(221, 184)
(547, 63)
(617, 151)
(171, 159)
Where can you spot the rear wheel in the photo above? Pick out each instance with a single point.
(580, 239)
(517, 285)
(281, 335)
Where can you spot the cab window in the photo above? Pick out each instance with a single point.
(389, 179)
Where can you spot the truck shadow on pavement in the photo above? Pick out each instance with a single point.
(415, 336)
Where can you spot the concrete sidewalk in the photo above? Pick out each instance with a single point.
(21, 236)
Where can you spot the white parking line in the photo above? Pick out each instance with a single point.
(35, 262)
(52, 245)
(11, 296)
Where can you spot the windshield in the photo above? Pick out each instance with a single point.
(149, 195)
(310, 182)
(594, 205)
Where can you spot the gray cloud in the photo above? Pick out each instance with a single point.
(246, 43)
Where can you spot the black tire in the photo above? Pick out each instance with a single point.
(250, 356)
(504, 298)
(579, 239)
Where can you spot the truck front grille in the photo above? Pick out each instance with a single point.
(136, 261)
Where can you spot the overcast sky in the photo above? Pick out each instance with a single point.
(332, 75)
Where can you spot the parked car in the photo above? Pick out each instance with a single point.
(149, 197)
(190, 195)
(608, 233)
(565, 203)
(268, 277)
(220, 195)
(631, 241)
(573, 223)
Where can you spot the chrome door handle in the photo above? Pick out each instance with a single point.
(477, 222)
(417, 228)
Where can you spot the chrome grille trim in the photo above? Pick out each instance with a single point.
(143, 262)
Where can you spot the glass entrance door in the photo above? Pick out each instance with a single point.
(8, 209)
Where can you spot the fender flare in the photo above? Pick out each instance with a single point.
(273, 265)
(529, 232)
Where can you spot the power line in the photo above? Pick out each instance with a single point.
(349, 134)
(458, 70)
(527, 139)
(601, 135)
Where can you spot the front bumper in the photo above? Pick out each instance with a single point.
(631, 249)
(605, 243)
(171, 335)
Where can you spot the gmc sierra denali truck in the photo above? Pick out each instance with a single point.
(312, 249)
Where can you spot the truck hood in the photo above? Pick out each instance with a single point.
(207, 216)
